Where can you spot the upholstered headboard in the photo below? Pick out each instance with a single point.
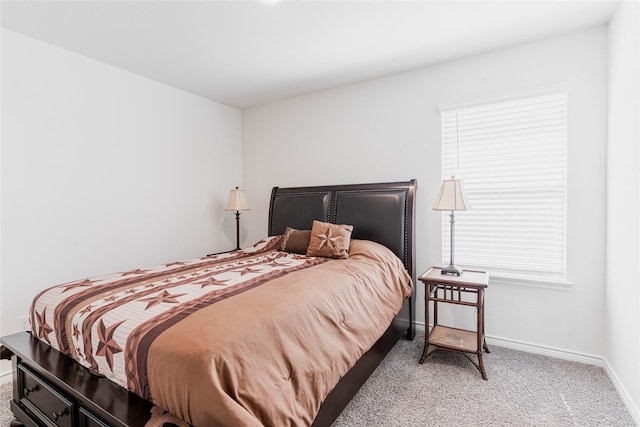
(382, 212)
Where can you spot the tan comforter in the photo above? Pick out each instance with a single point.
(255, 337)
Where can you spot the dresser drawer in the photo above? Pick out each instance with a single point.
(39, 397)
(87, 419)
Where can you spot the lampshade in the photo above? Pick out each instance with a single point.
(237, 201)
(451, 197)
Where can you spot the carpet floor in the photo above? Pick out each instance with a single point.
(524, 389)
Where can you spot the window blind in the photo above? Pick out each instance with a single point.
(512, 158)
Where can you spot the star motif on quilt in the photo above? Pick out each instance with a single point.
(43, 327)
(107, 346)
(213, 282)
(86, 310)
(76, 331)
(247, 270)
(81, 284)
(110, 298)
(278, 263)
(163, 296)
(136, 271)
(171, 264)
(328, 239)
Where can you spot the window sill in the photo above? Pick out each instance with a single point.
(542, 282)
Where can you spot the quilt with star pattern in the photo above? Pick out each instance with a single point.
(246, 338)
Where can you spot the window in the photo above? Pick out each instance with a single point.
(512, 157)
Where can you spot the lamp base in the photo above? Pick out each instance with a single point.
(451, 269)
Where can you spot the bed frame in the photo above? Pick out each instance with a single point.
(69, 395)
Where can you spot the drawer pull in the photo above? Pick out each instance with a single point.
(58, 414)
(26, 390)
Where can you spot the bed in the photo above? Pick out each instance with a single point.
(60, 382)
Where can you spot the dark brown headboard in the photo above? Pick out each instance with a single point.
(382, 212)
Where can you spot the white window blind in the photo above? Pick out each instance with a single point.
(512, 158)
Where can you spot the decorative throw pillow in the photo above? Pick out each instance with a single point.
(329, 240)
(295, 241)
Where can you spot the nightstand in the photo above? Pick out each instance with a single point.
(467, 290)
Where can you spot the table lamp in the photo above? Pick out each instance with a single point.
(237, 202)
(451, 198)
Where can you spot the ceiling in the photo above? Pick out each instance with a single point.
(247, 53)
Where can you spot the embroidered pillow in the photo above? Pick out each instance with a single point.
(329, 240)
(295, 241)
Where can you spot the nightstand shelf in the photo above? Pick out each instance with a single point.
(454, 339)
(466, 290)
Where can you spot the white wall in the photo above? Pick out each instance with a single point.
(622, 326)
(389, 129)
(104, 171)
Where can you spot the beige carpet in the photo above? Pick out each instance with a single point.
(523, 390)
(5, 396)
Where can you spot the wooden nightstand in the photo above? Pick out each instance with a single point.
(449, 289)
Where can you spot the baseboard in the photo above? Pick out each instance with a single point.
(624, 394)
(546, 351)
